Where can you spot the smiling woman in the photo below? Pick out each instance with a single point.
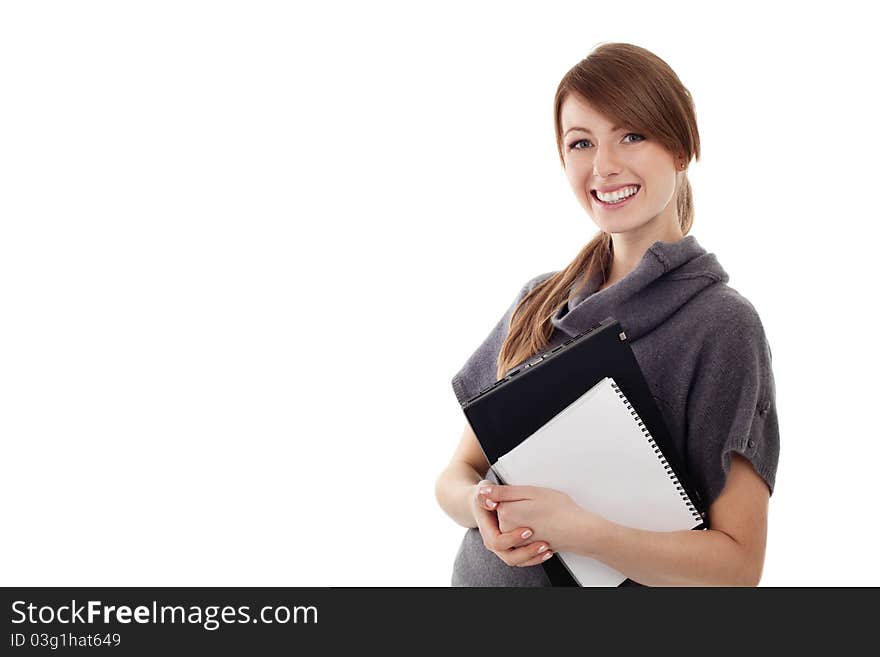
(625, 132)
(593, 158)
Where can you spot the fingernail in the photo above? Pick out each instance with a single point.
(542, 548)
(491, 504)
(547, 556)
(526, 533)
(485, 490)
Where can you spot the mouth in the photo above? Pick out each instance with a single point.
(615, 204)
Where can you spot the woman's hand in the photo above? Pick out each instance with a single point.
(512, 546)
(552, 515)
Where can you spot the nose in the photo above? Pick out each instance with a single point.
(604, 163)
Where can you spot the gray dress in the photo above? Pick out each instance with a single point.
(702, 348)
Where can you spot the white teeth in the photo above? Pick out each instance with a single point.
(617, 195)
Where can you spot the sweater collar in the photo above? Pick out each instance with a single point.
(666, 278)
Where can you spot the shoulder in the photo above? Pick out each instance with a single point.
(731, 333)
(526, 288)
(725, 312)
(533, 282)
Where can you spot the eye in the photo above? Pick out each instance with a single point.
(572, 146)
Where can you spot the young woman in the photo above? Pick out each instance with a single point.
(626, 131)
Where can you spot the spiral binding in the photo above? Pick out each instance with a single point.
(687, 500)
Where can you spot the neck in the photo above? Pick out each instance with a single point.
(630, 247)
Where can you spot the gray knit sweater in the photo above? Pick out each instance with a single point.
(702, 348)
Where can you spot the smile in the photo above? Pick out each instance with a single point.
(616, 204)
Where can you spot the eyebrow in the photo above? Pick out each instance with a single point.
(613, 129)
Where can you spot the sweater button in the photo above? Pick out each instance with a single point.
(751, 443)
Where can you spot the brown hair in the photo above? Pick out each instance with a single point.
(635, 88)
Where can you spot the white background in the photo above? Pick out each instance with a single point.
(246, 245)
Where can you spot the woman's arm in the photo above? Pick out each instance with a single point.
(456, 491)
(455, 485)
(729, 554)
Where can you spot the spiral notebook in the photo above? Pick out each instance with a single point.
(598, 451)
(508, 411)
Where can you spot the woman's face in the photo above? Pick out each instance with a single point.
(599, 156)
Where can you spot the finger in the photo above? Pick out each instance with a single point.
(527, 555)
(514, 538)
(484, 501)
(497, 493)
(487, 523)
(488, 504)
(497, 541)
(487, 517)
(538, 559)
(524, 536)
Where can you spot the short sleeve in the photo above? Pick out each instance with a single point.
(479, 370)
(732, 403)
